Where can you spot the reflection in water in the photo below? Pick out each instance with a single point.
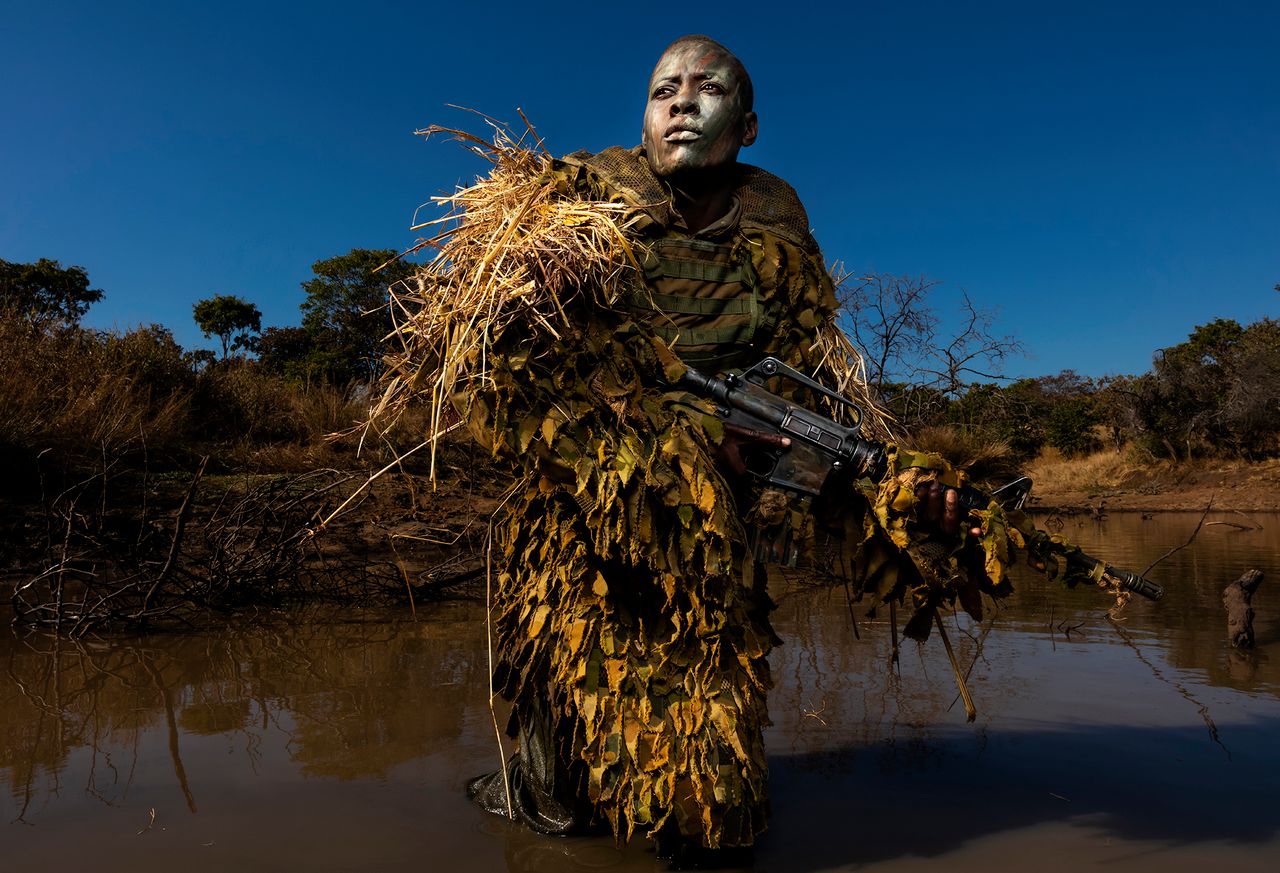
(337, 742)
(353, 699)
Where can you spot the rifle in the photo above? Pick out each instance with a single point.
(819, 448)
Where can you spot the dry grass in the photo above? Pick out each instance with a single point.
(60, 394)
(984, 459)
(509, 250)
(848, 371)
(1100, 471)
(79, 399)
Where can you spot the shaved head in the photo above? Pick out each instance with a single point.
(747, 93)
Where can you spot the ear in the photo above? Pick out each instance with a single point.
(750, 128)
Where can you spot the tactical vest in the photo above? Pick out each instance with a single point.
(705, 303)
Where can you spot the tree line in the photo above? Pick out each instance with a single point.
(1217, 394)
(71, 396)
(345, 319)
(344, 315)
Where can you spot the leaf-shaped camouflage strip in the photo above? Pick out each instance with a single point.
(895, 560)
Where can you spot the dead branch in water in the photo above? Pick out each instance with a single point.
(1252, 525)
(1189, 541)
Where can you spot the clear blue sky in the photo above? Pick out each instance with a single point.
(1107, 175)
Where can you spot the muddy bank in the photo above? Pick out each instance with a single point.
(134, 549)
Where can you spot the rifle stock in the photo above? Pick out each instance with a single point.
(820, 447)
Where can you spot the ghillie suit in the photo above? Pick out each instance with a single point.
(631, 625)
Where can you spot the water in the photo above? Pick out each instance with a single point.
(342, 740)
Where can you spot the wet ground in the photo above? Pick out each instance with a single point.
(341, 741)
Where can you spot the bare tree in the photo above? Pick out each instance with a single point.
(890, 322)
(899, 332)
(973, 353)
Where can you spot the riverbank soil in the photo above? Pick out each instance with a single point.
(168, 545)
(133, 546)
(1108, 481)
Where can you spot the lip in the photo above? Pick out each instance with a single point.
(681, 134)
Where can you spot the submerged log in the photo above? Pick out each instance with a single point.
(1237, 598)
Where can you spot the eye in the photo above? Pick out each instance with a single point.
(713, 87)
(662, 91)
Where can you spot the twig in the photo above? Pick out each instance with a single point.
(372, 478)
(488, 629)
(893, 634)
(408, 586)
(184, 513)
(816, 714)
(1237, 525)
(1182, 690)
(977, 656)
(151, 821)
(970, 710)
(848, 599)
(1189, 541)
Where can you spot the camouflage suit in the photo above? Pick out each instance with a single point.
(631, 628)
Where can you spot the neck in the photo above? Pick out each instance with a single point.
(702, 197)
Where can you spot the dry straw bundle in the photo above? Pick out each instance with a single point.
(509, 250)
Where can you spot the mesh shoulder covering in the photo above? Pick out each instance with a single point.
(768, 203)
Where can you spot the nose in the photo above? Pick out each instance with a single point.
(684, 103)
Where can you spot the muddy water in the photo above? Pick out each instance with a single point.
(342, 742)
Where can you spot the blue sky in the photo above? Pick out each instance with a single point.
(1106, 175)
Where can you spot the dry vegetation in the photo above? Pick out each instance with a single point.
(140, 489)
(507, 250)
(1094, 473)
(1120, 481)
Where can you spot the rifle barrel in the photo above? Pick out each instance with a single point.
(1126, 579)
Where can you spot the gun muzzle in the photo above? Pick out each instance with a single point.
(1126, 579)
(1133, 582)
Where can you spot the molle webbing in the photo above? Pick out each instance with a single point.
(704, 302)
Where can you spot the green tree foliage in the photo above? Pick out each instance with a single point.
(1012, 414)
(345, 314)
(230, 319)
(1028, 414)
(1218, 392)
(282, 348)
(1071, 428)
(46, 291)
(301, 357)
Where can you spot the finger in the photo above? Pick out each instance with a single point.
(931, 496)
(729, 456)
(922, 500)
(951, 512)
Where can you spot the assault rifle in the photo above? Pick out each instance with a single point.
(799, 449)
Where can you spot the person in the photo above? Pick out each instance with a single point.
(630, 615)
(631, 621)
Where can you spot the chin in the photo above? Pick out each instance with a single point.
(679, 166)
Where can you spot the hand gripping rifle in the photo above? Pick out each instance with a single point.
(801, 449)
